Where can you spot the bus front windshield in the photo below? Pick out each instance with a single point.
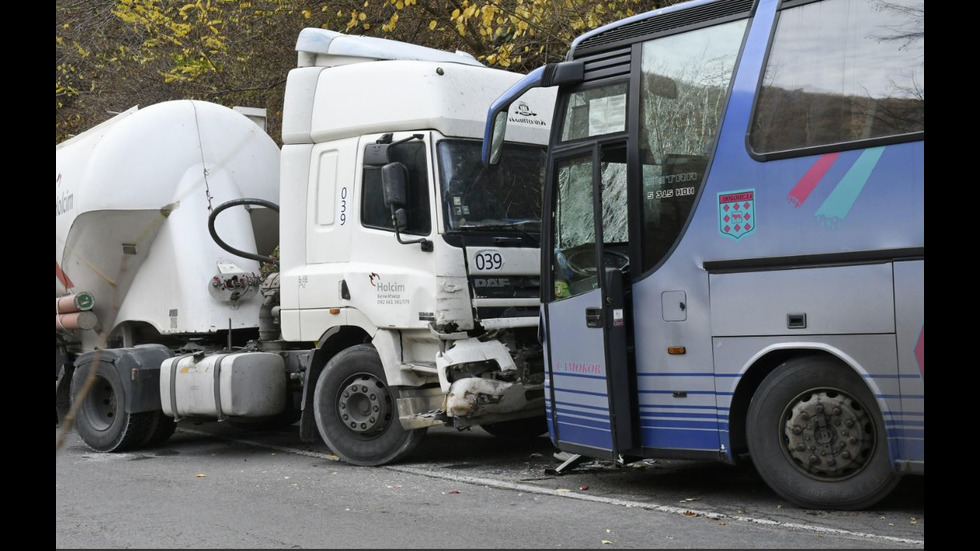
(506, 196)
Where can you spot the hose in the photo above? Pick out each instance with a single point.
(229, 248)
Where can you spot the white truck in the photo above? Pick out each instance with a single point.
(406, 292)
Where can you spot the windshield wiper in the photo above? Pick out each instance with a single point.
(512, 226)
(519, 226)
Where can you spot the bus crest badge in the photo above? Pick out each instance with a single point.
(736, 213)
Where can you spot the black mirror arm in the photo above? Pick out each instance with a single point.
(425, 243)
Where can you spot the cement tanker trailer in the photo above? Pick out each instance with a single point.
(138, 279)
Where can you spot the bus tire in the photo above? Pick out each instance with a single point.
(356, 413)
(816, 437)
(101, 419)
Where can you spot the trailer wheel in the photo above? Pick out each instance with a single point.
(355, 410)
(816, 436)
(518, 429)
(101, 420)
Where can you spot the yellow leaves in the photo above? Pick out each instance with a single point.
(432, 25)
(390, 25)
(455, 15)
(307, 14)
(361, 16)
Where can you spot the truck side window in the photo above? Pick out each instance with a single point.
(373, 211)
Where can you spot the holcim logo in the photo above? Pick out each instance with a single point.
(385, 287)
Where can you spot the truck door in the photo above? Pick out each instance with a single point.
(591, 405)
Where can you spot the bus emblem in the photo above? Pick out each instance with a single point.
(736, 213)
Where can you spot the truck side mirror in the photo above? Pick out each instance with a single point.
(400, 219)
(394, 185)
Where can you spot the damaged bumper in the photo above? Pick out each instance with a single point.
(468, 393)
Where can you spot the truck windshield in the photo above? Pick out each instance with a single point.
(503, 197)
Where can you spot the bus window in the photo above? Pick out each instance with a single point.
(683, 88)
(594, 112)
(842, 71)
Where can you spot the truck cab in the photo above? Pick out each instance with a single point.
(412, 267)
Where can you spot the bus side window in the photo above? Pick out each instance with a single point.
(842, 71)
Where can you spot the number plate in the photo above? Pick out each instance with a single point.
(489, 260)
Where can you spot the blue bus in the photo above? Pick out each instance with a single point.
(733, 241)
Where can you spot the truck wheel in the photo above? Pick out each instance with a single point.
(816, 436)
(518, 429)
(356, 413)
(163, 428)
(101, 420)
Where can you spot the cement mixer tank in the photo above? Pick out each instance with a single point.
(132, 202)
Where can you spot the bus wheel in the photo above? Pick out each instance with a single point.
(355, 410)
(101, 420)
(816, 437)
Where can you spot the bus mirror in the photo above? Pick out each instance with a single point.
(394, 184)
(566, 72)
(552, 74)
(497, 131)
(661, 86)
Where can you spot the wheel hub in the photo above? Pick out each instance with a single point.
(828, 434)
(364, 405)
(100, 404)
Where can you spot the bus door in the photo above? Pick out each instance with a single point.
(592, 403)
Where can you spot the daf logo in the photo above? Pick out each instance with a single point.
(492, 282)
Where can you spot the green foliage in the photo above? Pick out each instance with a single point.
(114, 54)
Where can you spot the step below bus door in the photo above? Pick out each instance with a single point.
(592, 404)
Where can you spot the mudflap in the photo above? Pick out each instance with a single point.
(138, 369)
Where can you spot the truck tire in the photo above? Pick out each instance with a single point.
(101, 419)
(518, 429)
(356, 413)
(816, 437)
(163, 428)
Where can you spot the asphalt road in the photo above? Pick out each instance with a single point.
(214, 486)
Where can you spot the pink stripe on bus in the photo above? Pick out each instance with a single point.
(809, 181)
